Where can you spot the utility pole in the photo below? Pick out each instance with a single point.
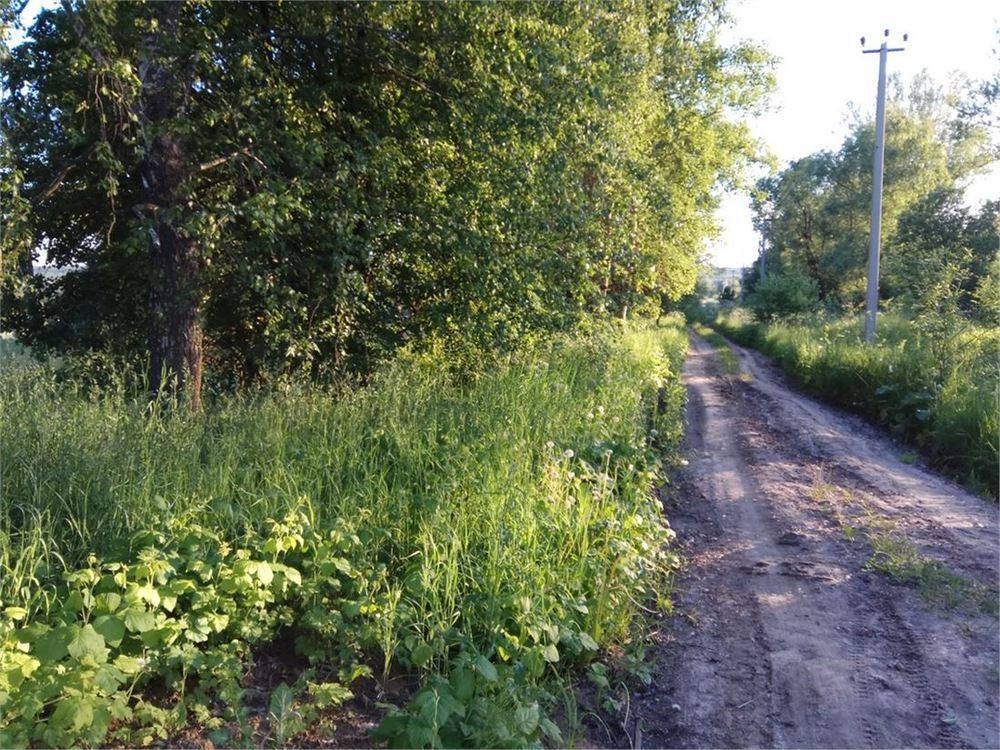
(874, 245)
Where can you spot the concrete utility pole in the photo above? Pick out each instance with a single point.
(874, 245)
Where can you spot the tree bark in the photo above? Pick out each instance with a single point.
(175, 334)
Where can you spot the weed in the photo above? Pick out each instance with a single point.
(899, 559)
(488, 535)
(726, 358)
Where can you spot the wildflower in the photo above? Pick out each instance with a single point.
(550, 445)
(568, 453)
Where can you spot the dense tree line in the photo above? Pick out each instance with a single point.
(815, 214)
(303, 186)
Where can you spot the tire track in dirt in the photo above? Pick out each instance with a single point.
(783, 639)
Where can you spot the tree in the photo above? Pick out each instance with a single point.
(308, 187)
(817, 211)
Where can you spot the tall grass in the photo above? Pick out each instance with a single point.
(520, 497)
(934, 387)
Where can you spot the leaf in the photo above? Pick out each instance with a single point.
(148, 594)
(51, 647)
(72, 715)
(111, 628)
(533, 662)
(326, 694)
(129, 664)
(139, 620)
(588, 643)
(110, 601)
(551, 731)
(463, 682)
(108, 678)
(526, 719)
(87, 642)
(487, 670)
(550, 653)
(15, 613)
(281, 703)
(421, 654)
(262, 571)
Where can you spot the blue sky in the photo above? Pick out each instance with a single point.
(822, 72)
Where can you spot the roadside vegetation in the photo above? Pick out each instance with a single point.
(340, 381)
(483, 536)
(931, 377)
(936, 390)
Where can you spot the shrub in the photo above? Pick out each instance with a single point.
(784, 294)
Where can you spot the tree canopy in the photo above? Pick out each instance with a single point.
(314, 185)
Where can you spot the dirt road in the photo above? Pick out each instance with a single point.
(785, 636)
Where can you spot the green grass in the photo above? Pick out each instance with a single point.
(936, 390)
(937, 585)
(509, 518)
(727, 359)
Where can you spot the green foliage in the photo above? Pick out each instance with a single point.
(359, 178)
(931, 381)
(727, 360)
(487, 534)
(941, 255)
(815, 214)
(781, 295)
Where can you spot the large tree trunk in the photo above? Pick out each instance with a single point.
(175, 335)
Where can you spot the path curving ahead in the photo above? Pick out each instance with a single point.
(782, 637)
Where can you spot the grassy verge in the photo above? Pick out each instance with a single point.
(938, 391)
(727, 359)
(484, 537)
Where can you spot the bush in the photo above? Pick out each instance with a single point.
(784, 294)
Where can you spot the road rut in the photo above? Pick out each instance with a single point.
(784, 637)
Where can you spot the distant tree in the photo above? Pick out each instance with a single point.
(782, 294)
(941, 243)
(817, 210)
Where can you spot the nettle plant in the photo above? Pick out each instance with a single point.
(181, 619)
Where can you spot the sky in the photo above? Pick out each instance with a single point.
(822, 71)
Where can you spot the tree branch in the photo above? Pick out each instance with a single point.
(219, 161)
(58, 180)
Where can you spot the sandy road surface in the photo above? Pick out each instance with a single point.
(784, 639)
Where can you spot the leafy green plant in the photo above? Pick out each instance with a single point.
(783, 294)
(487, 535)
